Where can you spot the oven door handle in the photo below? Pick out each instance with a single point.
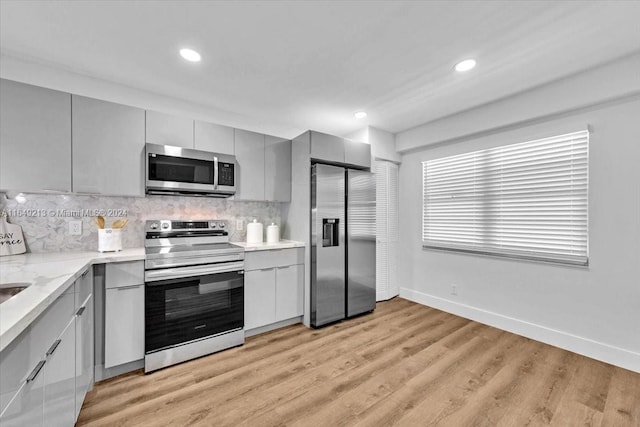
(191, 271)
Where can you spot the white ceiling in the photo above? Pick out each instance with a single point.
(311, 65)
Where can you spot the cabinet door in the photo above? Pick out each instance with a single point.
(59, 379)
(25, 409)
(277, 174)
(35, 138)
(327, 147)
(123, 325)
(259, 298)
(84, 352)
(249, 149)
(357, 153)
(289, 291)
(213, 137)
(20, 357)
(166, 129)
(108, 148)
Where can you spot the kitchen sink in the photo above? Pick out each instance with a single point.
(7, 290)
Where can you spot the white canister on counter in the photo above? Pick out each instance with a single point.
(273, 233)
(109, 239)
(254, 232)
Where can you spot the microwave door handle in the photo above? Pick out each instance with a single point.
(215, 173)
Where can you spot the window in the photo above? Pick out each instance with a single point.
(526, 200)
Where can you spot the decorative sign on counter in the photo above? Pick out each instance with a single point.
(11, 238)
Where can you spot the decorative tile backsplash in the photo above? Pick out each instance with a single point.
(45, 217)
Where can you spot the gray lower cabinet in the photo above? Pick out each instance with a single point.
(35, 138)
(277, 173)
(249, 152)
(108, 147)
(166, 129)
(59, 379)
(273, 284)
(124, 313)
(25, 407)
(124, 325)
(289, 291)
(37, 370)
(84, 353)
(213, 137)
(259, 298)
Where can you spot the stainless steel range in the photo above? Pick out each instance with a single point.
(194, 291)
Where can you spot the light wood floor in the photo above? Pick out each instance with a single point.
(405, 365)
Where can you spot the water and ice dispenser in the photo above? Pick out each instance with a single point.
(330, 227)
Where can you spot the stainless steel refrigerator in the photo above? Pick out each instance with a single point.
(343, 243)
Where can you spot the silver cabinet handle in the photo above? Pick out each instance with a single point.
(124, 288)
(53, 347)
(32, 376)
(80, 311)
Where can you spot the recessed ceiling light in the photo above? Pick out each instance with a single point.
(190, 55)
(360, 115)
(465, 65)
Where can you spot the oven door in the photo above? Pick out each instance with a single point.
(179, 310)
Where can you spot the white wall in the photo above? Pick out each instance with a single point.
(383, 145)
(593, 311)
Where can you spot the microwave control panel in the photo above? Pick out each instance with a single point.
(226, 174)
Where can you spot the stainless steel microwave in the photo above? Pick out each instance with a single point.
(184, 171)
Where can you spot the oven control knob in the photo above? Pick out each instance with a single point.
(165, 225)
(153, 226)
(212, 224)
(221, 225)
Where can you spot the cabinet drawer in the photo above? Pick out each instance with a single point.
(124, 274)
(273, 258)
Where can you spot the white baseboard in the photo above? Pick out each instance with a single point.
(596, 350)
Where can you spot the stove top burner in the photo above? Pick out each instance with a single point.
(174, 243)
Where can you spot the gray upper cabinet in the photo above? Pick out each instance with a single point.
(327, 147)
(213, 137)
(108, 148)
(166, 129)
(249, 149)
(277, 173)
(35, 138)
(357, 153)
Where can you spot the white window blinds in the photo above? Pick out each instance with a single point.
(527, 200)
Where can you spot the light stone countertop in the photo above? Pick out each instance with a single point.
(282, 244)
(50, 274)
